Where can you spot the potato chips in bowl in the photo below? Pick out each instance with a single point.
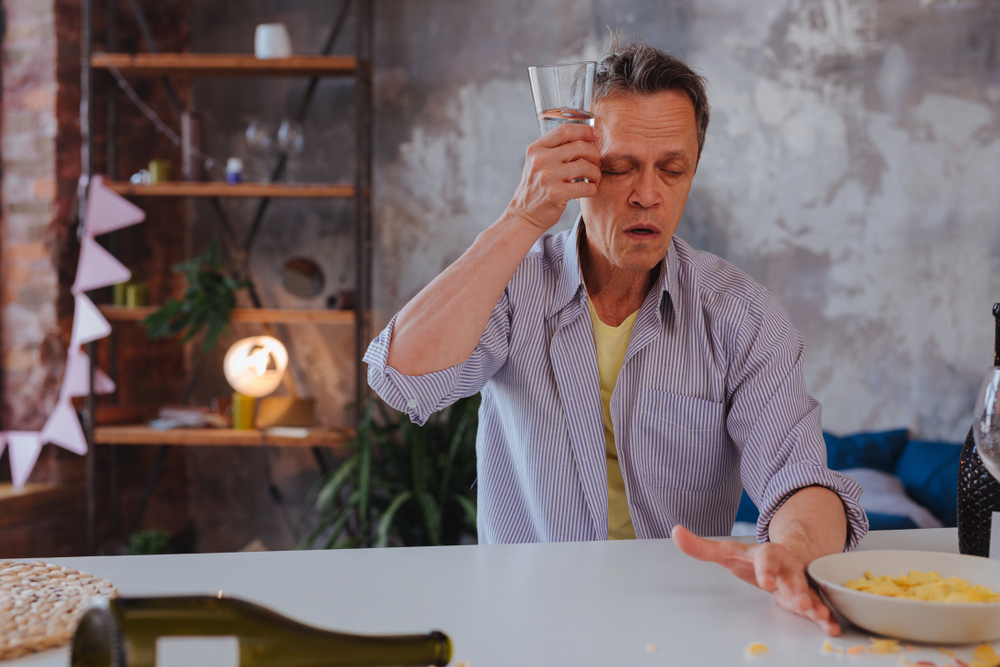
(904, 594)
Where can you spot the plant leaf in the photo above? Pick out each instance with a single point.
(385, 523)
(432, 517)
(325, 523)
(335, 481)
(465, 420)
(209, 297)
(338, 527)
(364, 470)
(470, 509)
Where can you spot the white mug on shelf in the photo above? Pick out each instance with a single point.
(271, 41)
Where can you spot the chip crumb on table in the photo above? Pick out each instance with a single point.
(756, 648)
(983, 655)
(651, 648)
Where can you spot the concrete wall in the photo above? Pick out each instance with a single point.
(849, 166)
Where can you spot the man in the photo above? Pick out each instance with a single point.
(631, 385)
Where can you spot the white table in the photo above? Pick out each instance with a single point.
(577, 604)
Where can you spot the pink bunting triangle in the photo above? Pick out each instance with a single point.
(63, 428)
(76, 379)
(108, 211)
(88, 323)
(97, 268)
(24, 446)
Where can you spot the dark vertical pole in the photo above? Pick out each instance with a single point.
(87, 171)
(3, 384)
(147, 34)
(111, 46)
(363, 241)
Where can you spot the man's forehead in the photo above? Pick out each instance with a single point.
(664, 117)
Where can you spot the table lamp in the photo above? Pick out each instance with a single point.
(254, 367)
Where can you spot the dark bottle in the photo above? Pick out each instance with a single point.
(123, 632)
(978, 490)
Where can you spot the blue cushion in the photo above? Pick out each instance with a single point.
(878, 521)
(929, 472)
(865, 450)
(748, 511)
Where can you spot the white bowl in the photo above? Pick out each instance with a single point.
(913, 620)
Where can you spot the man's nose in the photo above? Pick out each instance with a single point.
(644, 191)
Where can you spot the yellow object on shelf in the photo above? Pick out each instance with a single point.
(160, 171)
(286, 411)
(118, 295)
(136, 295)
(243, 408)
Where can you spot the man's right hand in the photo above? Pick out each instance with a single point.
(561, 156)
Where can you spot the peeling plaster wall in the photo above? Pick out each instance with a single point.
(850, 167)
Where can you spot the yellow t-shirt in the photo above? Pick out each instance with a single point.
(611, 343)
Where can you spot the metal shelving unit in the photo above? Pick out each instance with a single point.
(188, 65)
(219, 189)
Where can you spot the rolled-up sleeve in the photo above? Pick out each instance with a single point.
(777, 424)
(419, 396)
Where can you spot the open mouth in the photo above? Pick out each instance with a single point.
(641, 232)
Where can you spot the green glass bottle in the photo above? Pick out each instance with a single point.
(123, 632)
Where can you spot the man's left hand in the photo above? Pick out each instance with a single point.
(771, 567)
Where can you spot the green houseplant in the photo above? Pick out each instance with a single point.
(209, 298)
(402, 484)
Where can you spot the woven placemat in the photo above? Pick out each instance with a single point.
(40, 605)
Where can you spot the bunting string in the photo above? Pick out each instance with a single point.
(106, 211)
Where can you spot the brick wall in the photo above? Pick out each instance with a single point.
(40, 158)
(32, 343)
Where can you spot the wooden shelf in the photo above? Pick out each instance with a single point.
(220, 189)
(34, 501)
(140, 434)
(223, 64)
(254, 315)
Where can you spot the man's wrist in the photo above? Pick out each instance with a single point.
(519, 227)
(807, 523)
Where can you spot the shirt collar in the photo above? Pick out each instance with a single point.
(569, 285)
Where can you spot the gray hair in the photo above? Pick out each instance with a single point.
(640, 69)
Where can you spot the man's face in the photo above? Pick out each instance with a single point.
(649, 153)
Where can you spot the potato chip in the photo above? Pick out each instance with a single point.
(756, 648)
(985, 656)
(924, 586)
(884, 645)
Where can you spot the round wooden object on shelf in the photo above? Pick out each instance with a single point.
(40, 605)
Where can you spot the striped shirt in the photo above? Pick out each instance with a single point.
(710, 399)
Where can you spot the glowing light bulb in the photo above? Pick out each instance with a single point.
(254, 366)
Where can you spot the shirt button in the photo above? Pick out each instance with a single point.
(412, 403)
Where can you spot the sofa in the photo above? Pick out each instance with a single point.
(907, 483)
